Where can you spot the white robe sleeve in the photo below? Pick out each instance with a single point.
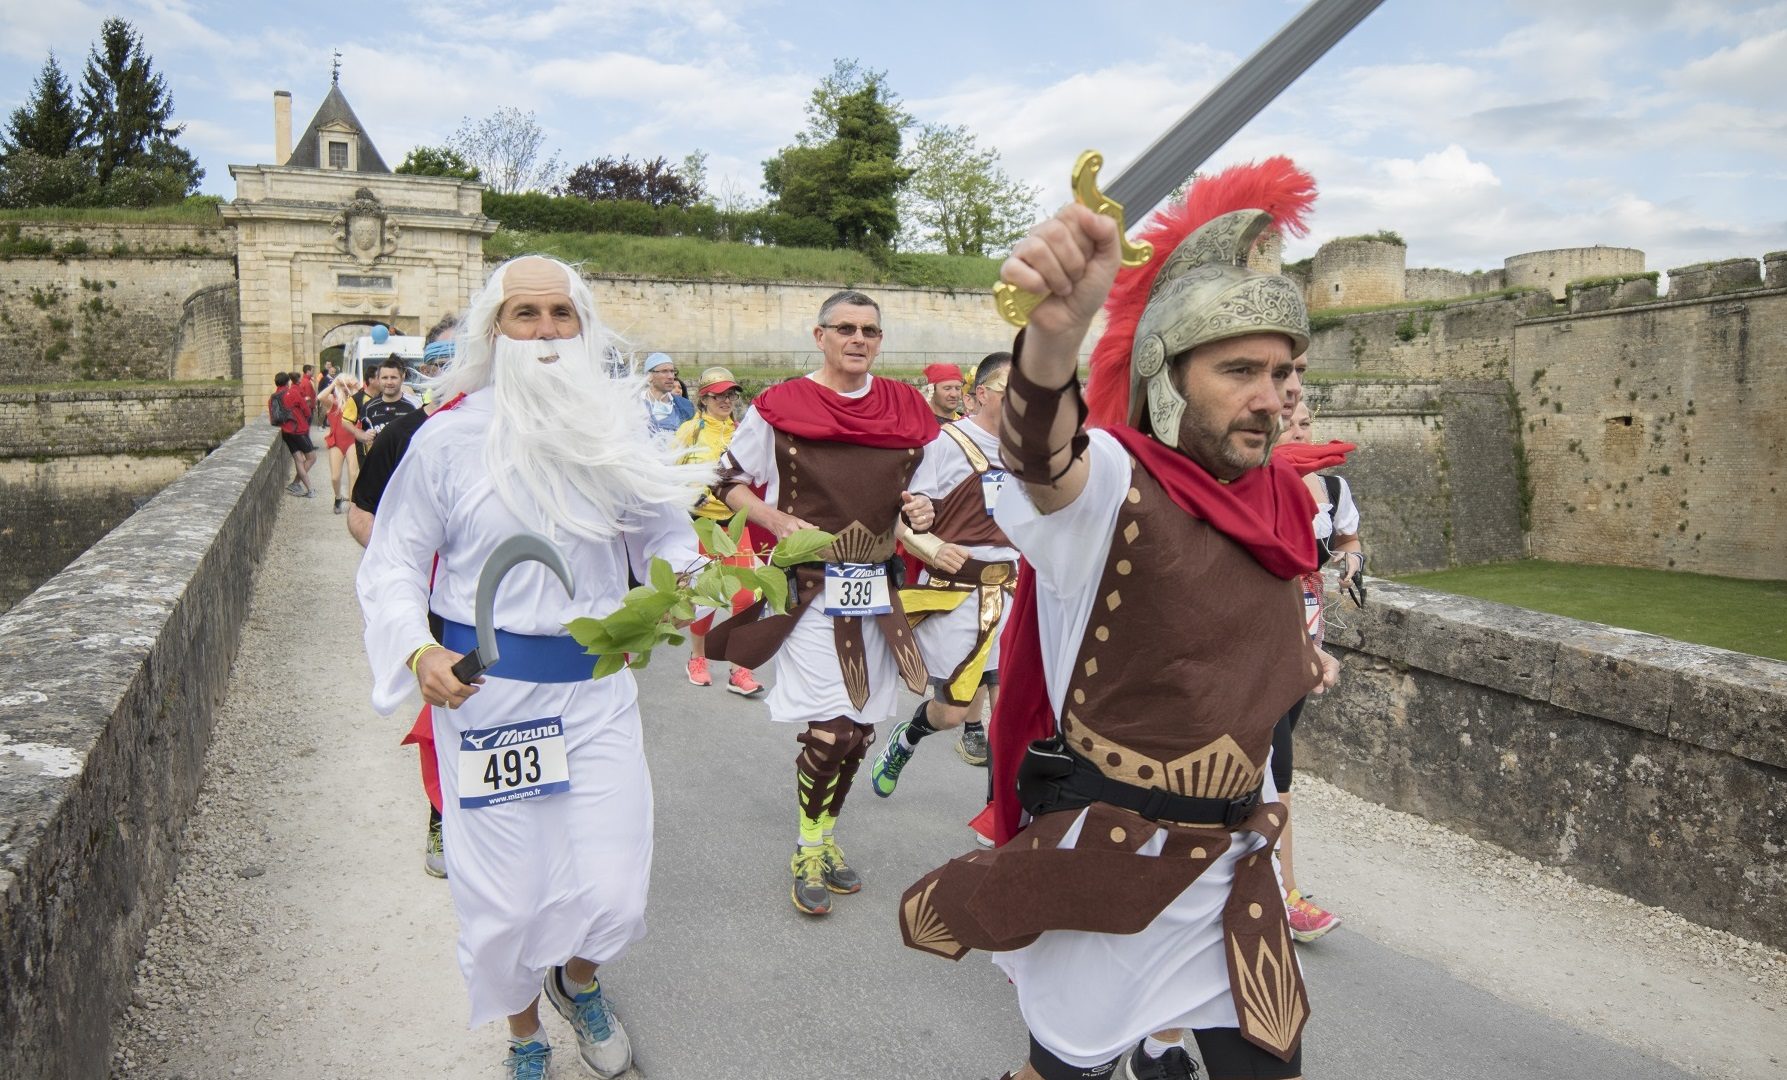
(667, 534)
(394, 576)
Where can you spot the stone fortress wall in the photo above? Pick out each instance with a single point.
(118, 302)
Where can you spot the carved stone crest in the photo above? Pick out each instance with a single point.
(364, 230)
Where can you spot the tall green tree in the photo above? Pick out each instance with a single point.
(48, 123)
(959, 200)
(125, 104)
(438, 161)
(845, 168)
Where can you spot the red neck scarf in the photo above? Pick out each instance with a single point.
(1306, 458)
(891, 416)
(1268, 511)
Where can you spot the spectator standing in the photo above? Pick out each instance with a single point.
(667, 411)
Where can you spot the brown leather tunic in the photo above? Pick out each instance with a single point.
(852, 492)
(1191, 654)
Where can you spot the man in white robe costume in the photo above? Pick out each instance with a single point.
(555, 884)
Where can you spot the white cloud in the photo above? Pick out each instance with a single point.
(30, 29)
(1748, 71)
(1118, 110)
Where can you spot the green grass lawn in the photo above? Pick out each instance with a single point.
(1728, 613)
(691, 258)
(194, 211)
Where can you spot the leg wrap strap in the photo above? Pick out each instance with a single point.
(827, 747)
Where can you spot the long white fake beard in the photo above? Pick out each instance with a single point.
(571, 447)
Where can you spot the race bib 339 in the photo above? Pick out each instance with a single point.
(856, 589)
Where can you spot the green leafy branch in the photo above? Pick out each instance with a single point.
(653, 614)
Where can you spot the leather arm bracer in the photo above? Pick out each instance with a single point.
(1041, 434)
(729, 477)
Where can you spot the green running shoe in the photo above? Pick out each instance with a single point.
(885, 773)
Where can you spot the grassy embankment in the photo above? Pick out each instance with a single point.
(1727, 613)
(198, 210)
(693, 259)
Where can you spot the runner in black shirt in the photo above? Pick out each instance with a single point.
(382, 410)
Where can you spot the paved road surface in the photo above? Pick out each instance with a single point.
(304, 940)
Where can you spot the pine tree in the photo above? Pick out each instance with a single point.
(48, 123)
(125, 104)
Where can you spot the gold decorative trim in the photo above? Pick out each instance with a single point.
(1271, 1009)
(1217, 770)
(926, 927)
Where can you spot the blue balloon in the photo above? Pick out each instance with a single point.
(380, 335)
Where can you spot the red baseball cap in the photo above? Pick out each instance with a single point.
(942, 373)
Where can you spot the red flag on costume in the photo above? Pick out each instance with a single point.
(1274, 185)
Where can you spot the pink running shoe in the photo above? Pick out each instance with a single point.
(698, 671)
(1308, 922)
(741, 681)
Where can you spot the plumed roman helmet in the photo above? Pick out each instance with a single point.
(1196, 290)
(1205, 294)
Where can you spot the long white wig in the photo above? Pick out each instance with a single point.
(570, 445)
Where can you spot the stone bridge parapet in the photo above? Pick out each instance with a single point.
(112, 672)
(1645, 765)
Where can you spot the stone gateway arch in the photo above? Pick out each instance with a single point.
(330, 237)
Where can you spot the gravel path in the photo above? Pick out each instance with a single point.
(301, 939)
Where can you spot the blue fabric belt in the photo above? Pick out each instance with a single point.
(526, 657)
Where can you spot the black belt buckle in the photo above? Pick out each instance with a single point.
(1240, 810)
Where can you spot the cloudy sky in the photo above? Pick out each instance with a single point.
(1475, 130)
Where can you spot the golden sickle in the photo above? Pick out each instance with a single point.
(1013, 303)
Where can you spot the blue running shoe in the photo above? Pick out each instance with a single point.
(527, 1061)
(601, 1040)
(885, 773)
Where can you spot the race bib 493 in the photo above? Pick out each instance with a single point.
(516, 761)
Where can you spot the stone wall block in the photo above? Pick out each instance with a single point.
(1732, 702)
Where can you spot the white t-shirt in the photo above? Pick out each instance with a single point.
(944, 466)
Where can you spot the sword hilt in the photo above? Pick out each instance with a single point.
(1014, 304)
(468, 667)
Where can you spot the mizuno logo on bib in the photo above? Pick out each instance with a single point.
(856, 589)
(991, 483)
(512, 762)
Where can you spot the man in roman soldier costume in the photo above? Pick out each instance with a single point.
(836, 451)
(958, 604)
(1156, 639)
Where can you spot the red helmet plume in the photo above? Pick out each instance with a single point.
(1274, 185)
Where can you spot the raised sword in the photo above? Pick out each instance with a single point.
(1202, 131)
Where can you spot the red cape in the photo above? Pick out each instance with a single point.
(891, 416)
(1268, 511)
